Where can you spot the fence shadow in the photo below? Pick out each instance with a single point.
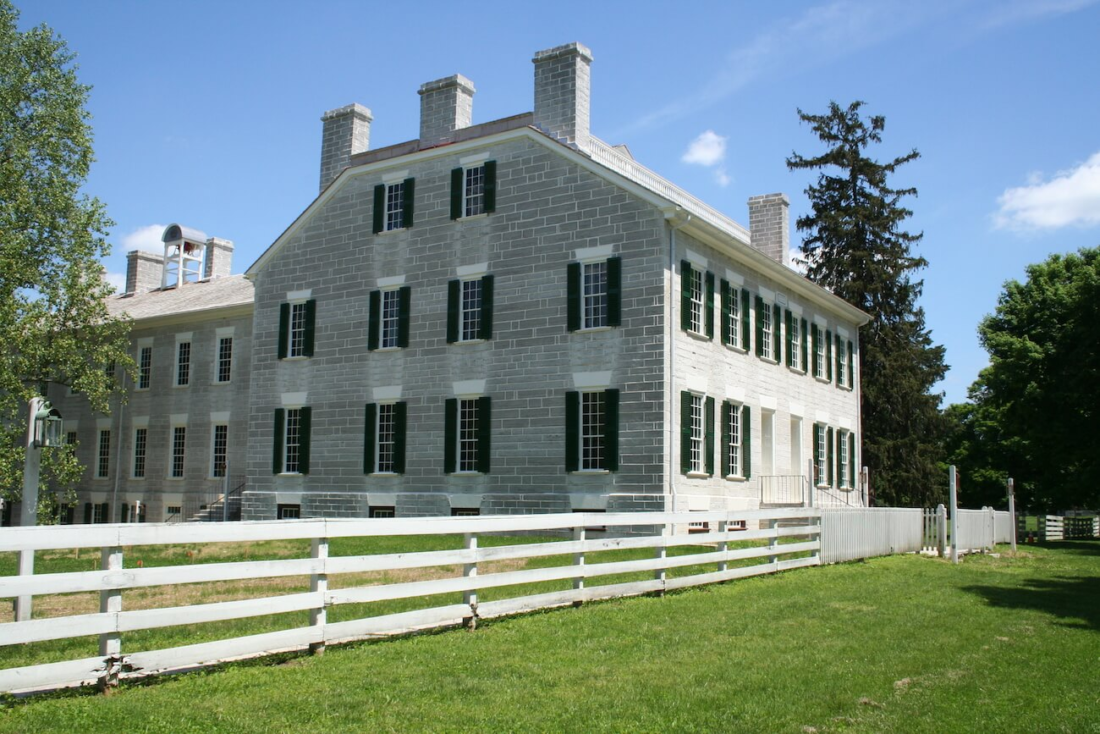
(1074, 600)
(1076, 547)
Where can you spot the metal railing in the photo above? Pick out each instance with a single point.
(783, 489)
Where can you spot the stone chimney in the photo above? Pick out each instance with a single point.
(562, 87)
(346, 133)
(769, 226)
(446, 105)
(219, 258)
(143, 271)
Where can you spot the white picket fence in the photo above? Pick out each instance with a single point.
(801, 526)
(851, 533)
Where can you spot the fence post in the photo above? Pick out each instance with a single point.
(865, 479)
(813, 483)
(578, 561)
(954, 500)
(773, 541)
(941, 530)
(662, 552)
(318, 582)
(723, 546)
(110, 643)
(469, 597)
(1012, 511)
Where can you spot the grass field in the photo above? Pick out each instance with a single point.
(902, 644)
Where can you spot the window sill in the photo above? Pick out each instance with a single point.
(290, 474)
(383, 474)
(469, 341)
(824, 380)
(699, 337)
(467, 474)
(594, 330)
(735, 348)
(395, 230)
(100, 479)
(735, 478)
(590, 472)
(389, 349)
(769, 360)
(299, 358)
(797, 370)
(483, 215)
(697, 475)
(141, 389)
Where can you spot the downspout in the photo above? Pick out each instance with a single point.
(676, 220)
(118, 450)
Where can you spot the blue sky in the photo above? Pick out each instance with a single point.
(207, 113)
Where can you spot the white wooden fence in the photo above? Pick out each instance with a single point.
(712, 564)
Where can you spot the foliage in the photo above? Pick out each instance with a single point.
(54, 323)
(1035, 411)
(855, 247)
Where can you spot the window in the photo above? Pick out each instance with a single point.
(179, 445)
(288, 512)
(100, 512)
(735, 316)
(696, 434)
(764, 328)
(291, 438)
(297, 321)
(823, 455)
(851, 365)
(819, 351)
(592, 431)
(145, 368)
(473, 190)
(393, 205)
(141, 437)
(736, 446)
(594, 294)
(219, 451)
(172, 513)
(109, 371)
(796, 468)
(470, 309)
(70, 438)
(465, 512)
(384, 442)
(841, 363)
(380, 511)
(103, 465)
(183, 364)
(389, 318)
(467, 435)
(843, 468)
(794, 342)
(225, 360)
(696, 304)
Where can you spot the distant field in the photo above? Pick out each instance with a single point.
(903, 644)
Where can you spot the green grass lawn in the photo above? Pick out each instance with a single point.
(902, 644)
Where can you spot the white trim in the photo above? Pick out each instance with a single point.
(821, 321)
(469, 388)
(392, 281)
(388, 393)
(766, 293)
(696, 384)
(781, 299)
(472, 161)
(382, 499)
(144, 342)
(797, 410)
(587, 501)
(820, 417)
(843, 332)
(594, 254)
(395, 177)
(767, 402)
(735, 278)
(736, 394)
(220, 417)
(293, 399)
(224, 332)
(465, 501)
(178, 419)
(845, 422)
(795, 309)
(303, 295)
(139, 421)
(695, 258)
(589, 380)
(471, 271)
(184, 336)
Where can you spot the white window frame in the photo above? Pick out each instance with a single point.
(733, 326)
(595, 301)
(141, 432)
(842, 458)
(796, 343)
(220, 359)
(145, 367)
(821, 355)
(393, 217)
(177, 452)
(296, 329)
(822, 463)
(592, 434)
(214, 450)
(183, 363)
(292, 412)
(474, 200)
(469, 318)
(767, 330)
(389, 323)
(466, 458)
(380, 441)
(103, 454)
(736, 442)
(841, 363)
(698, 434)
(697, 317)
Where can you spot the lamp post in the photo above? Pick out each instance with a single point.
(43, 431)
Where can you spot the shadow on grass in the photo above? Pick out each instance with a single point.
(1076, 547)
(1074, 599)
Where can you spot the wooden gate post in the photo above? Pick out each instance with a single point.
(941, 530)
(110, 643)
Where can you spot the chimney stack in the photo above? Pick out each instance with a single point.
(143, 271)
(346, 133)
(446, 105)
(562, 89)
(219, 258)
(769, 226)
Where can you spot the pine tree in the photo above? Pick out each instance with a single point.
(855, 246)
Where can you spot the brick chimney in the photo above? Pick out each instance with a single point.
(446, 105)
(346, 133)
(219, 258)
(769, 226)
(562, 89)
(143, 271)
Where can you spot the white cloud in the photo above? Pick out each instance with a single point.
(709, 150)
(1023, 11)
(144, 238)
(117, 280)
(1069, 198)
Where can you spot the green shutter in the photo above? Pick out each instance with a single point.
(851, 459)
(450, 435)
(400, 431)
(304, 435)
(851, 367)
(829, 356)
(573, 296)
(839, 362)
(126, 513)
(745, 315)
(614, 291)
(816, 478)
(404, 315)
(374, 323)
(727, 418)
(685, 432)
(279, 435)
(490, 186)
(408, 196)
(106, 513)
(815, 336)
(457, 183)
(759, 326)
(830, 457)
(87, 513)
(708, 436)
(311, 328)
(572, 430)
(805, 338)
(746, 442)
(454, 309)
(486, 328)
(484, 433)
(370, 436)
(724, 328)
(685, 295)
(790, 343)
(777, 340)
(379, 208)
(284, 328)
(708, 319)
(611, 430)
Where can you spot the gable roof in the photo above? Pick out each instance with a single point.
(205, 296)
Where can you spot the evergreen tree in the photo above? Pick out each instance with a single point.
(54, 325)
(854, 245)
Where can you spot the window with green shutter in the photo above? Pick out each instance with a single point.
(384, 439)
(708, 434)
(470, 309)
(473, 190)
(805, 336)
(592, 430)
(829, 356)
(777, 340)
(830, 458)
(389, 318)
(708, 319)
(745, 326)
(687, 434)
(763, 328)
(594, 291)
(467, 435)
(297, 325)
(746, 442)
(393, 205)
(851, 366)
